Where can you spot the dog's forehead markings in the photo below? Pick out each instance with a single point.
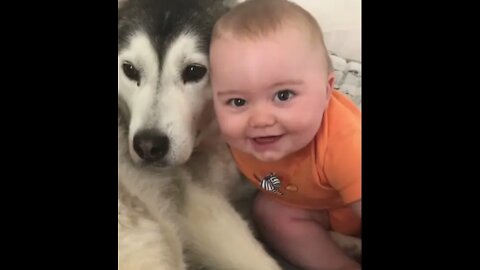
(141, 45)
(185, 43)
(182, 51)
(142, 53)
(167, 14)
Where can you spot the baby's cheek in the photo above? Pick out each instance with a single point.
(307, 123)
(229, 127)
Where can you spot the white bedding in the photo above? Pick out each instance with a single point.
(348, 77)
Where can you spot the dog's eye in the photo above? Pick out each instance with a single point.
(193, 73)
(131, 72)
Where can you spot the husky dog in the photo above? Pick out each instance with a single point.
(176, 179)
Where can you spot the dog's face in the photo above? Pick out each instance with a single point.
(163, 77)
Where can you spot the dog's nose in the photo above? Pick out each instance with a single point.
(150, 145)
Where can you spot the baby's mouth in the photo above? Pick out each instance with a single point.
(266, 139)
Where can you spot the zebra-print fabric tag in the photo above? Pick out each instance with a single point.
(270, 182)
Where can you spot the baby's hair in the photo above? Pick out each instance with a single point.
(255, 19)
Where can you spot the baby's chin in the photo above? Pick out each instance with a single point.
(268, 156)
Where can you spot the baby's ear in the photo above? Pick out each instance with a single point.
(330, 84)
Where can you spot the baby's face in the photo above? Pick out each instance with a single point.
(270, 93)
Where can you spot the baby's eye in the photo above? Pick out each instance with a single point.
(236, 102)
(284, 95)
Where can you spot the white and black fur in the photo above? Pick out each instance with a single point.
(176, 178)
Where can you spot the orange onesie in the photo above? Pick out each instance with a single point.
(326, 174)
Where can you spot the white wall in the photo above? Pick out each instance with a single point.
(340, 21)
